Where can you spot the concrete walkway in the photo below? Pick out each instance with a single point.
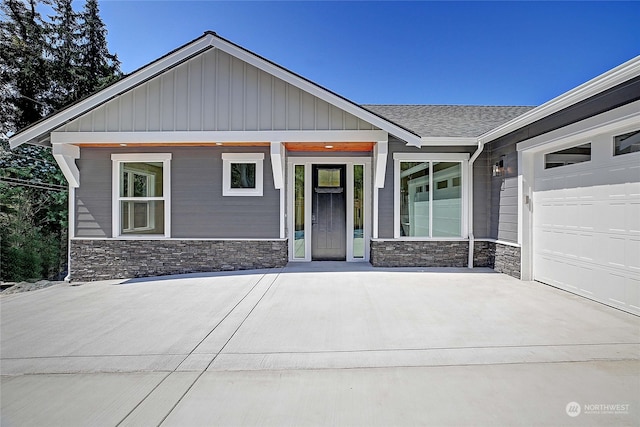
(317, 344)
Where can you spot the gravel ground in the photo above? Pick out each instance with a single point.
(14, 288)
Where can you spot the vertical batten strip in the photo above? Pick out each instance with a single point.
(273, 102)
(244, 96)
(202, 90)
(187, 125)
(175, 110)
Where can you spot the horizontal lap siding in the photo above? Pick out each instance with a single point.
(504, 197)
(198, 209)
(93, 197)
(481, 200)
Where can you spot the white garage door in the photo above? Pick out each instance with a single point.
(586, 222)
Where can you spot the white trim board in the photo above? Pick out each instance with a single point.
(349, 162)
(186, 137)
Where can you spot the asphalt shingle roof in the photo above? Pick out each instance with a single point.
(448, 120)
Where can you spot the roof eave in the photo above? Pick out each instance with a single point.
(605, 81)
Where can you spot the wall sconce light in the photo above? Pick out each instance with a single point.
(498, 168)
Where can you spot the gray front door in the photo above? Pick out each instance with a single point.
(328, 213)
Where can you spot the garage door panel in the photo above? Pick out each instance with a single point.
(586, 216)
(633, 189)
(632, 219)
(633, 294)
(632, 254)
(615, 255)
(585, 279)
(586, 228)
(614, 217)
(571, 244)
(616, 290)
(587, 244)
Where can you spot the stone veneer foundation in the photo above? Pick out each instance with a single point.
(115, 259)
(443, 253)
(507, 259)
(407, 253)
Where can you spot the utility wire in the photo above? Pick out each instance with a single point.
(33, 184)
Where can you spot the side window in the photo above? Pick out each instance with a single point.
(568, 156)
(626, 143)
(425, 213)
(140, 202)
(242, 174)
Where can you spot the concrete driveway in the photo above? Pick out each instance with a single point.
(317, 344)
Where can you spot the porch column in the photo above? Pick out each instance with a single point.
(380, 152)
(277, 166)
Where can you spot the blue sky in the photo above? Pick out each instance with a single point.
(384, 52)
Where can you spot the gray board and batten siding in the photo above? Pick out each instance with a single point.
(215, 91)
(198, 209)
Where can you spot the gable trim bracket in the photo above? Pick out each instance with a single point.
(66, 156)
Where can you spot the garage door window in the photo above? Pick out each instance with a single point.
(626, 143)
(568, 156)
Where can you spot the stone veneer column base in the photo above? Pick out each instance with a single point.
(116, 259)
(507, 259)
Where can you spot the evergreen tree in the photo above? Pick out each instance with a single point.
(24, 78)
(100, 67)
(64, 51)
(44, 65)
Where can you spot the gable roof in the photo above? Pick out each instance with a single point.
(459, 121)
(39, 132)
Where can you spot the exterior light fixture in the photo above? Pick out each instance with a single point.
(498, 168)
(218, 143)
(328, 146)
(123, 145)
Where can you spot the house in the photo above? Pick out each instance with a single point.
(214, 158)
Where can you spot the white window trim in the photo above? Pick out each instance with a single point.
(463, 158)
(150, 210)
(117, 159)
(230, 158)
(349, 162)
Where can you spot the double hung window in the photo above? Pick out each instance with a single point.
(141, 189)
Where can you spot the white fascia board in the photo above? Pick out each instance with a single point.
(608, 80)
(316, 90)
(66, 155)
(423, 157)
(627, 116)
(447, 142)
(186, 137)
(131, 81)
